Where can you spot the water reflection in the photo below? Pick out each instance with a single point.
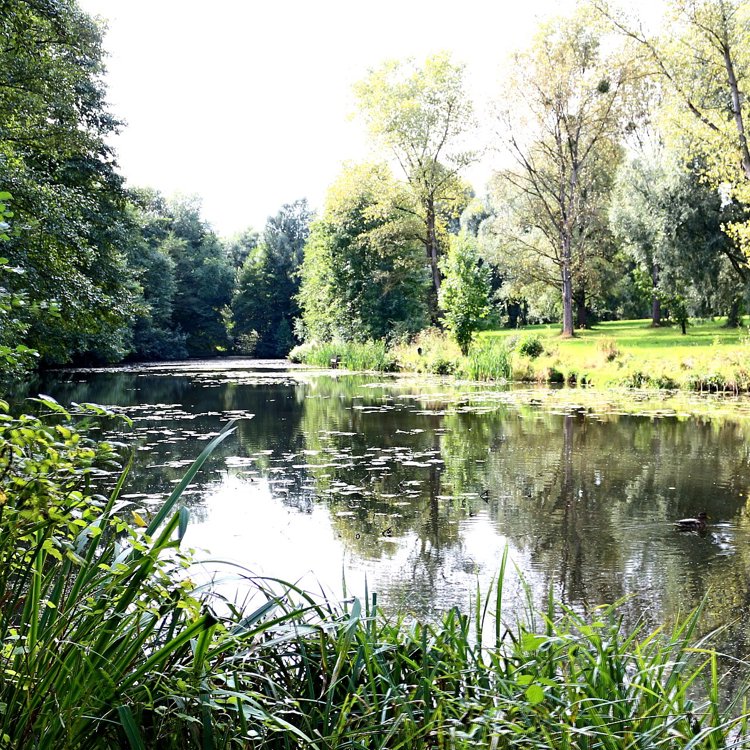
(420, 488)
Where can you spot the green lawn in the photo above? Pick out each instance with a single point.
(638, 334)
(631, 352)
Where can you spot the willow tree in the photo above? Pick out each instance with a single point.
(422, 114)
(562, 125)
(703, 57)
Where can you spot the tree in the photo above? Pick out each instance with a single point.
(241, 245)
(422, 115)
(704, 59)
(69, 222)
(185, 278)
(562, 127)
(204, 278)
(363, 276)
(264, 306)
(669, 222)
(464, 295)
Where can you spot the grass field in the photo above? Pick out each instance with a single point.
(638, 334)
(709, 357)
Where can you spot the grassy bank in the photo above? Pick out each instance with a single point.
(630, 354)
(710, 357)
(107, 642)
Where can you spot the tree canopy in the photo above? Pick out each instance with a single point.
(422, 114)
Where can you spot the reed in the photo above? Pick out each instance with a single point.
(349, 355)
(487, 360)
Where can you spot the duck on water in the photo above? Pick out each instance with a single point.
(692, 524)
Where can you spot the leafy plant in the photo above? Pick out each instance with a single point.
(531, 346)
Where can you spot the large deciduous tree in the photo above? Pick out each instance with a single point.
(265, 307)
(363, 274)
(69, 224)
(422, 114)
(668, 220)
(562, 124)
(185, 279)
(703, 55)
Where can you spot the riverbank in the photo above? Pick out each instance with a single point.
(621, 354)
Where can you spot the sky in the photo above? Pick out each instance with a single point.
(249, 103)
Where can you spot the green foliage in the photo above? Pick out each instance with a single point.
(102, 637)
(554, 679)
(16, 360)
(566, 100)
(464, 295)
(265, 297)
(431, 351)
(670, 224)
(421, 115)
(349, 355)
(68, 207)
(487, 360)
(185, 279)
(709, 357)
(363, 276)
(531, 346)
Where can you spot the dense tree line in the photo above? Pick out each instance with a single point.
(624, 194)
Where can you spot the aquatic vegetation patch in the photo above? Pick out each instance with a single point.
(348, 355)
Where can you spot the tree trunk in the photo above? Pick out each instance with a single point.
(432, 244)
(734, 316)
(655, 301)
(567, 290)
(737, 110)
(581, 318)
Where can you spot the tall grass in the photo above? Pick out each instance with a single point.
(350, 355)
(104, 643)
(487, 360)
(432, 351)
(352, 678)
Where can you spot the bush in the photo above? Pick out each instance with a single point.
(531, 346)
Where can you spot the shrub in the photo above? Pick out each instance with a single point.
(531, 346)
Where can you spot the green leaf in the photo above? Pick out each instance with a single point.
(131, 730)
(534, 694)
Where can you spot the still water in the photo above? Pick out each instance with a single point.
(418, 486)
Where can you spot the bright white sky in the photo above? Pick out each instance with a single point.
(247, 102)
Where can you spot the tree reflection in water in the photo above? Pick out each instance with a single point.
(423, 485)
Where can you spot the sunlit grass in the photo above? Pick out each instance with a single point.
(710, 357)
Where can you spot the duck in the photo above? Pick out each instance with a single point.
(692, 524)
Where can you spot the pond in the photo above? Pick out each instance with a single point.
(418, 486)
